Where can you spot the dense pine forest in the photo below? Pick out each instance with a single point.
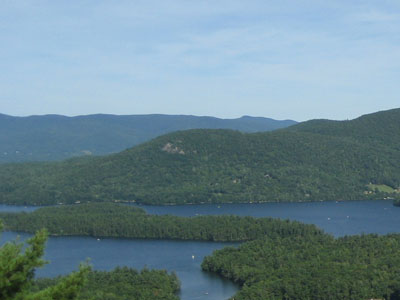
(311, 161)
(121, 284)
(312, 267)
(122, 221)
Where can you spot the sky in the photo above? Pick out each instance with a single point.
(281, 59)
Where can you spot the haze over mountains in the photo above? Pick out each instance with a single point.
(311, 161)
(56, 137)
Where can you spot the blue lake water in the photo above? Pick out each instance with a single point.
(14, 208)
(337, 218)
(65, 254)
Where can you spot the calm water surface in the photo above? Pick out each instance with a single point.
(14, 208)
(65, 254)
(337, 218)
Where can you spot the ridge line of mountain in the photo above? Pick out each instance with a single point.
(57, 137)
(310, 161)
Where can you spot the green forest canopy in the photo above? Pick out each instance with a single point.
(311, 161)
(126, 221)
(17, 269)
(283, 260)
(122, 283)
(312, 267)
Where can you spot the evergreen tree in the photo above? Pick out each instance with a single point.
(17, 269)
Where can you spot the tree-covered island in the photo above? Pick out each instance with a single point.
(126, 221)
(281, 260)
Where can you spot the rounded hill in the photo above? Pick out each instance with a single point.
(318, 160)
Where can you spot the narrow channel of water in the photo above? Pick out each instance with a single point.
(337, 218)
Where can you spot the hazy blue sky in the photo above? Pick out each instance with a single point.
(297, 59)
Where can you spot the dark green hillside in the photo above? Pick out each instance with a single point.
(122, 221)
(198, 166)
(54, 137)
(381, 127)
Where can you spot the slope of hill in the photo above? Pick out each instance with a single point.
(381, 127)
(198, 166)
(54, 137)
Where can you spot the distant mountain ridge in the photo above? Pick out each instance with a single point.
(57, 137)
(312, 161)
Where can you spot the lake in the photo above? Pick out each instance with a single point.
(65, 254)
(337, 218)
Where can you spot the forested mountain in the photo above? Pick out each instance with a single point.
(328, 161)
(380, 128)
(55, 137)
